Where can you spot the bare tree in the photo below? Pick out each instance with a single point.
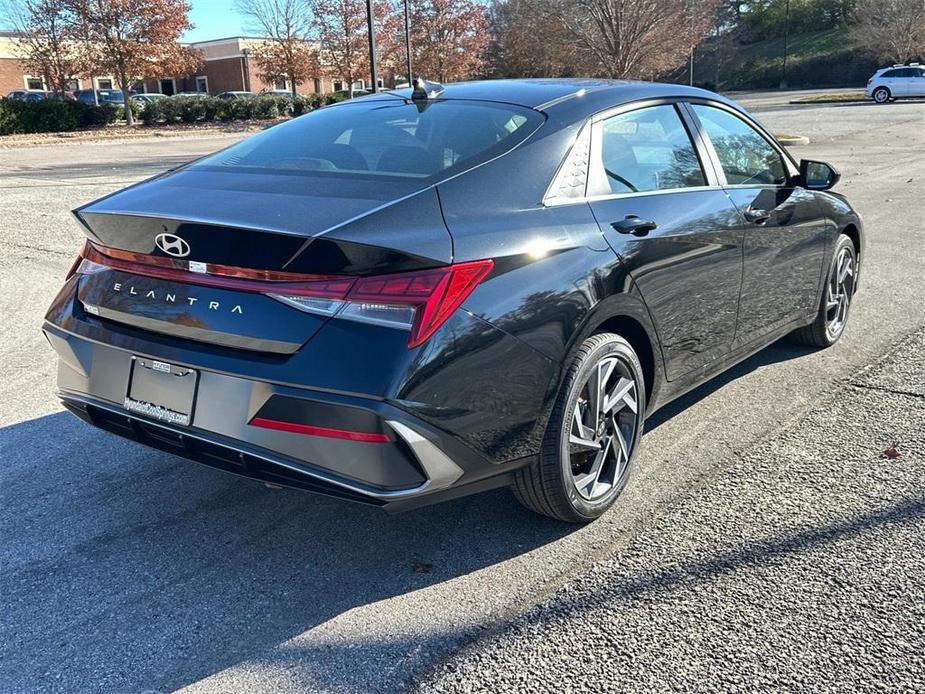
(47, 31)
(287, 26)
(622, 39)
(342, 34)
(890, 30)
(449, 38)
(135, 39)
(529, 41)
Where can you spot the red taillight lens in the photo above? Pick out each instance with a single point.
(434, 294)
(77, 261)
(417, 301)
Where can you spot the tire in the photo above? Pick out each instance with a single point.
(835, 305)
(881, 95)
(572, 481)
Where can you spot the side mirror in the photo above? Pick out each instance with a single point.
(817, 175)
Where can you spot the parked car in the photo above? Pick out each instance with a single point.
(402, 300)
(188, 95)
(896, 82)
(145, 98)
(29, 95)
(230, 96)
(342, 94)
(103, 96)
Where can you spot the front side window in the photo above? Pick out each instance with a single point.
(648, 149)
(746, 156)
(383, 139)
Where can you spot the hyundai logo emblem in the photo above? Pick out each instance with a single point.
(172, 244)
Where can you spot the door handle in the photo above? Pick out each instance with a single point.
(632, 224)
(757, 216)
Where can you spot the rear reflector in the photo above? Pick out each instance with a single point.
(308, 430)
(419, 301)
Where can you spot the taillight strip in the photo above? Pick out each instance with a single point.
(222, 276)
(327, 432)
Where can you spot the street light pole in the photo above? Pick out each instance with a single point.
(408, 43)
(374, 72)
(783, 80)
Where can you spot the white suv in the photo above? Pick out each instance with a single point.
(896, 82)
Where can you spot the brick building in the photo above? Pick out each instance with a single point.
(227, 65)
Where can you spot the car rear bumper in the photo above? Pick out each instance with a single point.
(410, 462)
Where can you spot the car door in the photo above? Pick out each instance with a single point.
(784, 231)
(892, 80)
(916, 82)
(659, 205)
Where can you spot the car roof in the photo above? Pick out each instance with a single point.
(575, 96)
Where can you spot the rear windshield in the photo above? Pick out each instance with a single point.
(383, 139)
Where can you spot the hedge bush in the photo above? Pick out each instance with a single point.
(52, 115)
(56, 115)
(206, 109)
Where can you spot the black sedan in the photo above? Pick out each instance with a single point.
(426, 293)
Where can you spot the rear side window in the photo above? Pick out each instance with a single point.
(745, 155)
(892, 73)
(647, 149)
(383, 139)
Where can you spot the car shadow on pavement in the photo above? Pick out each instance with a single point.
(782, 350)
(125, 569)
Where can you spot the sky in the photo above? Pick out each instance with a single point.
(213, 19)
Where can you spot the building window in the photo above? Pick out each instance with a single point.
(338, 85)
(72, 85)
(168, 87)
(35, 83)
(281, 85)
(202, 84)
(103, 83)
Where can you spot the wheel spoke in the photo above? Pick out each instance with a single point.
(589, 481)
(597, 386)
(623, 392)
(845, 271)
(581, 435)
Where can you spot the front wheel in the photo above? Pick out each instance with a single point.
(592, 434)
(832, 317)
(881, 95)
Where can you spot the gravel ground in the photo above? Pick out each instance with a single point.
(799, 568)
(124, 570)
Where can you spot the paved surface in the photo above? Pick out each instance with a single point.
(800, 567)
(124, 570)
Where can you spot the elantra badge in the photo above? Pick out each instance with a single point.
(172, 244)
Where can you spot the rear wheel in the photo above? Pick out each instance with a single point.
(881, 95)
(592, 435)
(836, 299)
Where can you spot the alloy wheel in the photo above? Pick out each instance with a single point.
(603, 429)
(839, 290)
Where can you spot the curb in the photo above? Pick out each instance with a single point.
(792, 140)
(805, 102)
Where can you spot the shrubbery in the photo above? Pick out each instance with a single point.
(52, 115)
(206, 109)
(58, 115)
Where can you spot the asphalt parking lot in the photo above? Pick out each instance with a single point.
(123, 569)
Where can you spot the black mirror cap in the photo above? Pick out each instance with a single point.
(818, 175)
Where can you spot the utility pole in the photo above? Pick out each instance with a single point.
(783, 79)
(374, 72)
(408, 43)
